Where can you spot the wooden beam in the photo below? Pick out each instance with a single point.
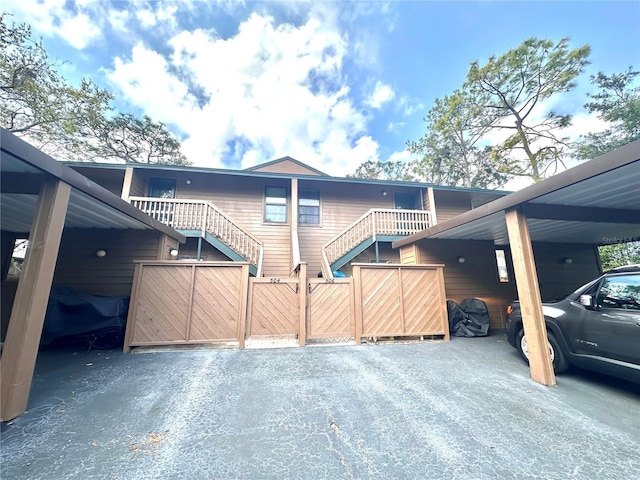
(126, 184)
(529, 295)
(580, 214)
(32, 295)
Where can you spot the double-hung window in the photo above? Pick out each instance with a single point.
(309, 207)
(275, 205)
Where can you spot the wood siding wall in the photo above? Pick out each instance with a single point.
(559, 279)
(451, 204)
(340, 206)
(477, 277)
(242, 199)
(79, 268)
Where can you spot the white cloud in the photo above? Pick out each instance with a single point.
(79, 27)
(381, 94)
(269, 91)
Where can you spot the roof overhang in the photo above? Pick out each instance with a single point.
(596, 202)
(23, 168)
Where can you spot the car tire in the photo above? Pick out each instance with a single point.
(559, 360)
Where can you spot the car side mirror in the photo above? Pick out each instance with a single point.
(586, 301)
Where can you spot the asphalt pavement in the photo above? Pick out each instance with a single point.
(464, 409)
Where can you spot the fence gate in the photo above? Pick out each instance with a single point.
(331, 305)
(274, 306)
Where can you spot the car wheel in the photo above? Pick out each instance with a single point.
(559, 361)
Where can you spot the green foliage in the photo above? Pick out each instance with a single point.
(34, 99)
(70, 123)
(618, 102)
(449, 151)
(390, 170)
(510, 90)
(619, 254)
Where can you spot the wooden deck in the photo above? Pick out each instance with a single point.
(202, 218)
(374, 225)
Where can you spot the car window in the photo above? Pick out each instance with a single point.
(620, 292)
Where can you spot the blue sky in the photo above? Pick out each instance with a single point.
(332, 84)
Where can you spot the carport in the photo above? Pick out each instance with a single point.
(41, 198)
(596, 202)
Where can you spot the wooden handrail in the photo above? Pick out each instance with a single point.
(375, 222)
(205, 217)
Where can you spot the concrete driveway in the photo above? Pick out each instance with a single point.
(459, 410)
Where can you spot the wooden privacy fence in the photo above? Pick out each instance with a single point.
(208, 302)
(187, 302)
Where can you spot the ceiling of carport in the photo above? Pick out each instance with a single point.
(597, 202)
(90, 205)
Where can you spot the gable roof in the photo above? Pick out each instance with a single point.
(286, 165)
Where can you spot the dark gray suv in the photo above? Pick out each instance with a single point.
(597, 327)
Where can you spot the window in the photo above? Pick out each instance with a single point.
(309, 207)
(620, 292)
(162, 188)
(275, 205)
(501, 260)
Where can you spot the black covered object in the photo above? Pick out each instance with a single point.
(78, 318)
(469, 319)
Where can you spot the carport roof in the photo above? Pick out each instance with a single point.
(22, 169)
(597, 202)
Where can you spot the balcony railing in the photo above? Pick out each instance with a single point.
(373, 224)
(203, 216)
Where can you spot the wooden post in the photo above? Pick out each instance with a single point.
(244, 299)
(32, 296)
(126, 185)
(294, 203)
(7, 244)
(357, 286)
(302, 331)
(529, 295)
(432, 207)
(135, 288)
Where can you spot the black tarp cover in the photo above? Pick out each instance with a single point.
(469, 319)
(72, 314)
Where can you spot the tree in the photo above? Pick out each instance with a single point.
(617, 102)
(510, 91)
(71, 123)
(449, 151)
(35, 101)
(128, 138)
(389, 170)
(616, 255)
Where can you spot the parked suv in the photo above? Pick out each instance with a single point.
(597, 327)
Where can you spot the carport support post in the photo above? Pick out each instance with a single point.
(30, 304)
(524, 267)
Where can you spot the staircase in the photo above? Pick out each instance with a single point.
(197, 218)
(376, 225)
